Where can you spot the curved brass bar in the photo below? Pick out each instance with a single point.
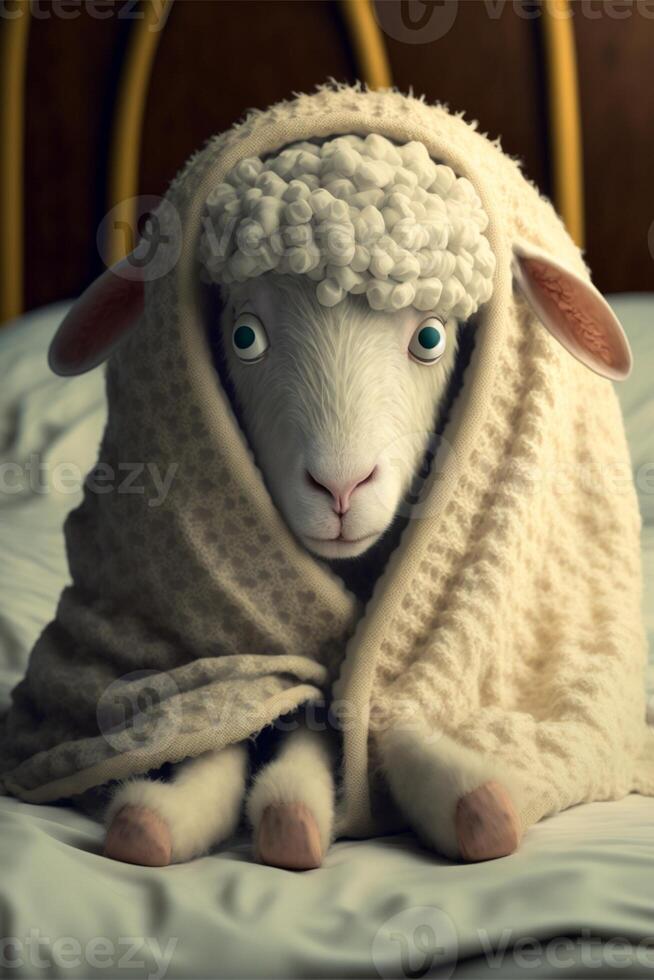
(125, 151)
(14, 35)
(564, 115)
(367, 42)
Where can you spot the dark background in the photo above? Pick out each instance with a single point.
(216, 58)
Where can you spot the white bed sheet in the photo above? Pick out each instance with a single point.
(587, 874)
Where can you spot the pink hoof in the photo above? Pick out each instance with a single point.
(487, 824)
(138, 836)
(288, 837)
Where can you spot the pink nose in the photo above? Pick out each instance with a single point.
(340, 490)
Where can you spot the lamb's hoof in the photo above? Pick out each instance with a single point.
(487, 824)
(288, 837)
(138, 836)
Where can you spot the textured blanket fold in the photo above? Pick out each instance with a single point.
(507, 619)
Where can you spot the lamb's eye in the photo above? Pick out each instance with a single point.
(249, 339)
(427, 344)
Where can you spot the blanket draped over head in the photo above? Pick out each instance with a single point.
(508, 616)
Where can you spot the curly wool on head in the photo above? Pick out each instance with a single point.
(357, 215)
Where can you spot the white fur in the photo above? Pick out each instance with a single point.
(201, 806)
(357, 216)
(301, 773)
(335, 395)
(428, 777)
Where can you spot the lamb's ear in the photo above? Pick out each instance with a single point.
(99, 320)
(573, 311)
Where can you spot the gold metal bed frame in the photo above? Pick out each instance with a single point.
(367, 41)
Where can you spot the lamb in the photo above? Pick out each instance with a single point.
(362, 333)
(338, 345)
(347, 268)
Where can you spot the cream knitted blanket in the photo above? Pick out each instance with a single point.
(508, 616)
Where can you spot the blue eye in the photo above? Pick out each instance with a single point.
(249, 338)
(429, 337)
(428, 342)
(244, 337)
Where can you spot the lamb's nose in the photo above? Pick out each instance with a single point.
(340, 490)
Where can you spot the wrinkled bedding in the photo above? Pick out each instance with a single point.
(581, 886)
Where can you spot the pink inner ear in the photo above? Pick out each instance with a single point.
(95, 324)
(578, 317)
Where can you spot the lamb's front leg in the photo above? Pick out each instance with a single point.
(156, 823)
(291, 804)
(458, 804)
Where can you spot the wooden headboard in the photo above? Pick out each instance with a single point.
(70, 67)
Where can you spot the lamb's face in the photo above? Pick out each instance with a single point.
(338, 404)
